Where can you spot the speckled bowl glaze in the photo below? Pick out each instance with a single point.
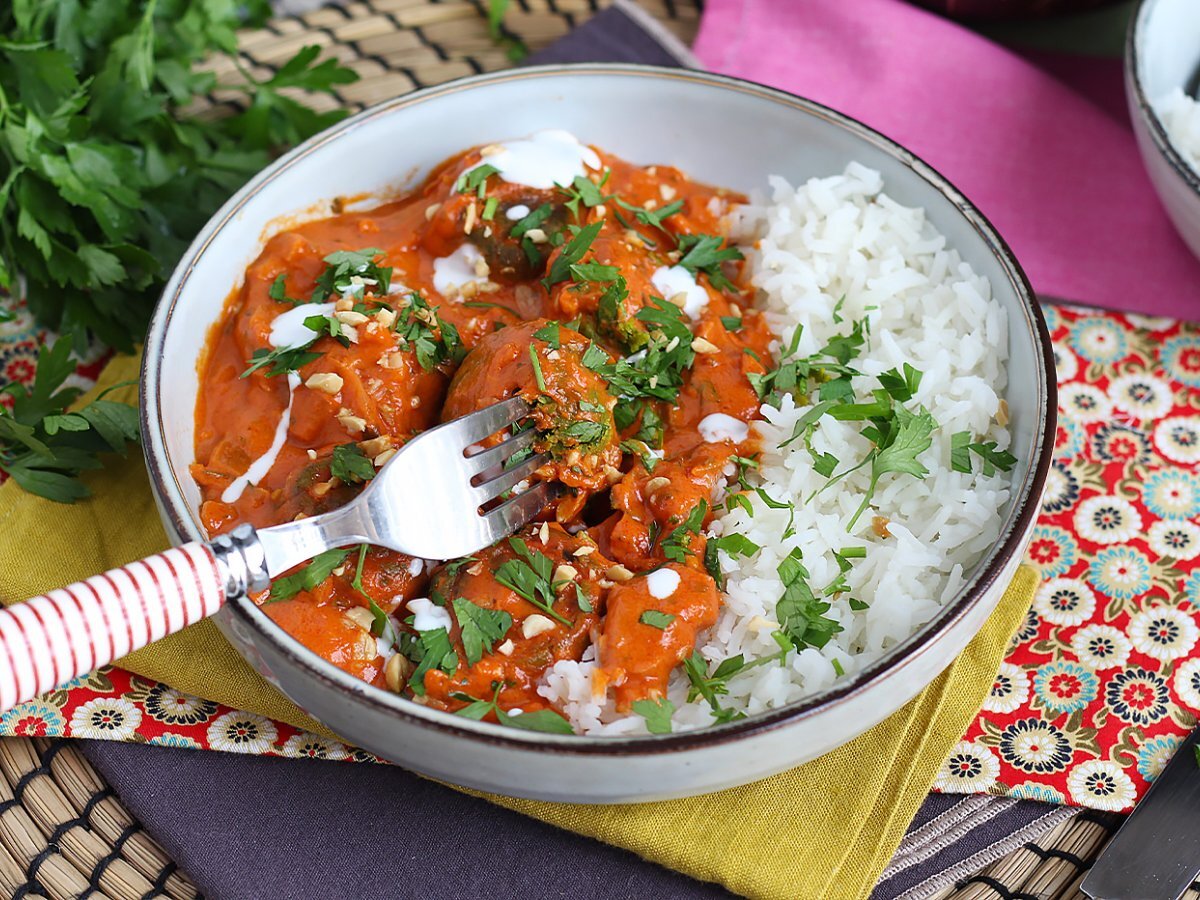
(719, 130)
(1162, 52)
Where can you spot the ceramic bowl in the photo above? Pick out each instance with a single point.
(721, 131)
(1162, 53)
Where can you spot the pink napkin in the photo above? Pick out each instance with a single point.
(1058, 176)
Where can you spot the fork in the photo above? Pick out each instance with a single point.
(440, 497)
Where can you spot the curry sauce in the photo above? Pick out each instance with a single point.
(601, 291)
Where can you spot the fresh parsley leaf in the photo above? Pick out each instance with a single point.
(350, 465)
(652, 217)
(732, 323)
(309, 577)
(322, 325)
(537, 368)
(278, 291)
(476, 180)
(481, 628)
(572, 252)
(281, 360)
(581, 599)
(514, 47)
(657, 714)
(434, 340)
(583, 190)
(733, 544)
(433, 650)
(533, 220)
(529, 575)
(992, 458)
(546, 721)
(901, 387)
(800, 613)
(899, 448)
(705, 253)
(677, 545)
(350, 273)
(656, 619)
(585, 431)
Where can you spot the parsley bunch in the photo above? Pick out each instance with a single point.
(104, 178)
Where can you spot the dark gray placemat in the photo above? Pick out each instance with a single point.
(261, 828)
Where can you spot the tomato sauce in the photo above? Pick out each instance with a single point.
(613, 305)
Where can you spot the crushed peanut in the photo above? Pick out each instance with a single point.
(361, 617)
(700, 345)
(382, 458)
(350, 317)
(618, 573)
(395, 672)
(656, 484)
(431, 211)
(535, 625)
(564, 572)
(386, 318)
(325, 382)
(375, 445)
(352, 423)
(506, 648)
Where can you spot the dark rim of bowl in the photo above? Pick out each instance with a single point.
(1025, 499)
(1133, 81)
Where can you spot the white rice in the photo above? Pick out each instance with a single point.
(1180, 115)
(834, 238)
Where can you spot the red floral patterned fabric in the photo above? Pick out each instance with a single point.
(1102, 681)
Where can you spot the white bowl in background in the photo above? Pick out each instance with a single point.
(1162, 52)
(719, 130)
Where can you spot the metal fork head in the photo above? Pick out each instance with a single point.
(439, 497)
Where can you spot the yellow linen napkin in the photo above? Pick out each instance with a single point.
(823, 830)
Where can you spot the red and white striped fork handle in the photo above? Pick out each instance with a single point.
(48, 640)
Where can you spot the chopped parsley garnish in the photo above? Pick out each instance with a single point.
(658, 371)
(828, 366)
(898, 443)
(529, 575)
(585, 431)
(657, 714)
(656, 619)
(476, 180)
(434, 340)
(481, 628)
(350, 465)
(705, 253)
(281, 360)
(677, 545)
(800, 613)
(839, 584)
(993, 458)
(572, 252)
(732, 323)
(278, 290)
(733, 544)
(544, 720)
(901, 386)
(322, 325)
(431, 650)
(652, 217)
(642, 451)
(309, 577)
(537, 368)
(342, 266)
(584, 190)
(710, 687)
(581, 599)
(531, 221)
(382, 626)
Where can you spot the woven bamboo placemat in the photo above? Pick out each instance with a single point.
(63, 832)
